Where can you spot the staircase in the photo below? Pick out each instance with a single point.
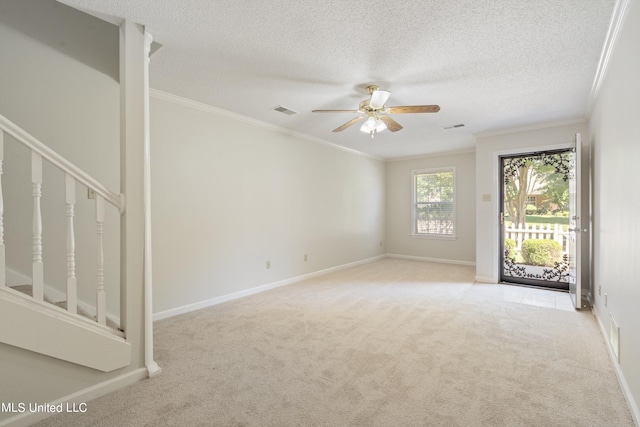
(28, 290)
(63, 328)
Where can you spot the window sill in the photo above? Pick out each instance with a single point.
(432, 236)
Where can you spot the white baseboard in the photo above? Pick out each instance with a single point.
(633, 405)
(438, 260)
(240, 294)
(79, 397)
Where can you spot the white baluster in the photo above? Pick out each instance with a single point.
(3, 273)
(72, 296)
(101, 299)
(37, 264)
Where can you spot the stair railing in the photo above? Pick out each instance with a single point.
(73, 175)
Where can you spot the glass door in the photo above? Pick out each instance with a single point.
(535, 219)
(574, 230)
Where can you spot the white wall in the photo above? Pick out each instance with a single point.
(615, 135)
(54, 86)
(488, 149)
(400, 203)
(229, 195)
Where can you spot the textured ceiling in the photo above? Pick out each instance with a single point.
(491, 65)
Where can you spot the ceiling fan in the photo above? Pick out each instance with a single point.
(376, 112)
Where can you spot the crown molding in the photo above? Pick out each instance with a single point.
(619, 12)
(537, 126)
(155, 93)
(430, 155)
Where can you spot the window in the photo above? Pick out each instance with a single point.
(531, 200)
(434, 202)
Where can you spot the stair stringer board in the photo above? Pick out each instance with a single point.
(49, 330)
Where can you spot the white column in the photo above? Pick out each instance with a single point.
(72, 292)
(3, 272)
(37, 269)
(152, 366)
(101, 299)
(134, 247)
(131, 177)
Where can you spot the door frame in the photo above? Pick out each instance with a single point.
(524, 281)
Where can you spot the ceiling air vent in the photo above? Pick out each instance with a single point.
(285, 110)
(459, 125)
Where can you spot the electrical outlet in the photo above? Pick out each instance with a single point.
(91, 194)
(306, 258)
(268, 264)
(606, 299)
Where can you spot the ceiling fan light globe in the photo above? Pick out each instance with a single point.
(369, 125)
(380, 125)
(378, 98)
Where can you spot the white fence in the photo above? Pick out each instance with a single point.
(537, 231)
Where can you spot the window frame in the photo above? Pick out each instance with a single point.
(414, 204)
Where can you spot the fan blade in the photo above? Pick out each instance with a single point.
(378, 98)
(334, 111)
(349, 123)
(405, 109)
(392, 125)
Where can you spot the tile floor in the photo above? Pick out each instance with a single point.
(531, 296)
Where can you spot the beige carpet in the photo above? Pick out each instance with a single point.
(392, 343)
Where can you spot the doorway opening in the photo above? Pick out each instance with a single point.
(535, 218)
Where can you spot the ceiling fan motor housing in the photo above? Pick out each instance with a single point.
(366, 107)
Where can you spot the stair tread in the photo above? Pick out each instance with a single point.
(28, 290)
(25, 289)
